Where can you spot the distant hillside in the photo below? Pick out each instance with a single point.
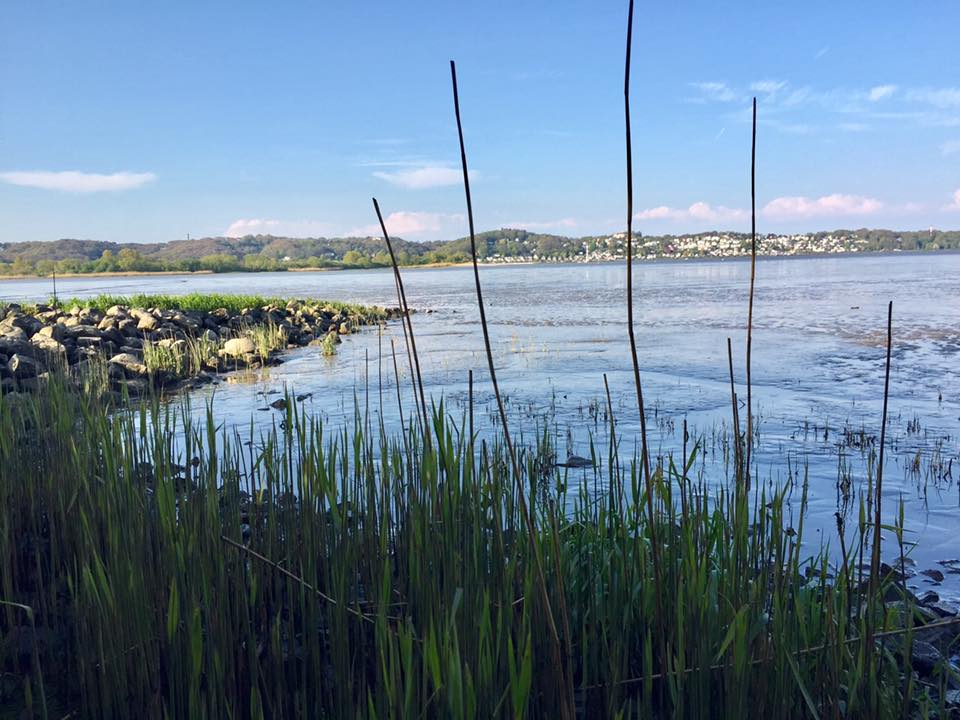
(268, 252)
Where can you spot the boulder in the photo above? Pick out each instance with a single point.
(238, 347)
(129, 362)
(55, 332)
(22, 367)
(147, 322)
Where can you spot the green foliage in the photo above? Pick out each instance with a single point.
(265, 253)
(416, 591)
(206, 302)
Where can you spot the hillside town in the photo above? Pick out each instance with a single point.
(705, 245)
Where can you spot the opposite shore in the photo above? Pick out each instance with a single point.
(486, 263)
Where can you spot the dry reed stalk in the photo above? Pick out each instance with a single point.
(564, 678)
(644, 449)
(405, 309)
(753, 278)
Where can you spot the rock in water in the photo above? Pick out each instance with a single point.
(238, 347)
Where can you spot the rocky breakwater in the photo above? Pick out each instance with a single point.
(138, 349)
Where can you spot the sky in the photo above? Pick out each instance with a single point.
(152, 121)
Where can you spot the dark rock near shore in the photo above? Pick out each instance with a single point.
(33, 343)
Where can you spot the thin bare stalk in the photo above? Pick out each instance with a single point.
(946, 622)
(737, 447)
(296, 578)
(565, 679)
(405, 309)
(753, 278)
(878, 491)
(644, 449)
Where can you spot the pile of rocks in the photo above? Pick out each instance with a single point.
(46, 338)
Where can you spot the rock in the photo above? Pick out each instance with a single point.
(136, 387)
(129, 362)
(935, 575)
(210, 336)
(924, 656)
(89, 342)
(952, 566)
(147, 322)
(115, 310)
(238, 347)
(22, 367)
(944, 609)
(279, 404)
(27, 323)
(344, 328)
(48, 344)
(928, 598)
(55, 332)
(13, 333)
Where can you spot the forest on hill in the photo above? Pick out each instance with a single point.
(255, 253)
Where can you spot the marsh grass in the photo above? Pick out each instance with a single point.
(207, 302)
(409, 579)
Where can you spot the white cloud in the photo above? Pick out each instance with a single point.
(854, 127)
(714, 91)
(950, 147)
(75, 181)
(938, 97)
(406, 223)
(836, 204)
(880, 92)
(821, 52)
(698, 211)
(768, 87)
(280, 228)
(423, 177)
(955, 205)
(542, 224)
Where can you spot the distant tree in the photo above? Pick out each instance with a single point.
(106, 263)
(352, 257)
(22, 266)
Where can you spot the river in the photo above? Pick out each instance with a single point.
(818, 362)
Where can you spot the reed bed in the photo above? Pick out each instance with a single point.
(203, 302)
(172, 568)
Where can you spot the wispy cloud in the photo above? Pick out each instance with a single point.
(854, 127)
(943, 98)
(406, 223)
(74, 181)
(423, 177)
(950, 147)
(698, 211)
(562, 223)
(280, 228)
(713, 92)
(880, 92)
(768, 87)
(828, 205)
(821, 52)
(955, 204)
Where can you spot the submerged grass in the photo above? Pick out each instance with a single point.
(177, 569)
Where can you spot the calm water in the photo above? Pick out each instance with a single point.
(817, 367)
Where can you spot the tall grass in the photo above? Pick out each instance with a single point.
(401, 579)
(207, 302)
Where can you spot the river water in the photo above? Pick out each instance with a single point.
(818, 362)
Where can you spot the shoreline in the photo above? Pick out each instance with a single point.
(442, 265)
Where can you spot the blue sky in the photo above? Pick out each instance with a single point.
(145, 121)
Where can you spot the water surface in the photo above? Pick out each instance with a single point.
(818, 360)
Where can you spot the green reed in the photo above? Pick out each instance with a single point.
(395, 577)
(207, 302)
